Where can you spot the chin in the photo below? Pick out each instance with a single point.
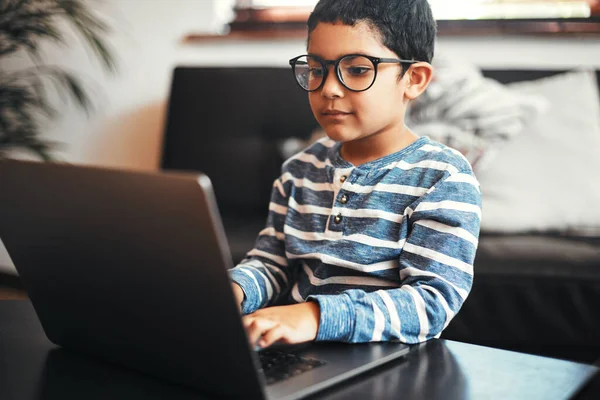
(340, 133)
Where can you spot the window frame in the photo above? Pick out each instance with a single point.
(289, 22)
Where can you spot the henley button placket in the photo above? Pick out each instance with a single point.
(344, 199)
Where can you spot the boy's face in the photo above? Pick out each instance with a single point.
(346, 115)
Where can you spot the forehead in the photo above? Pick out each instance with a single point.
(333, 40)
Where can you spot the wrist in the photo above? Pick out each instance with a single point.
(313, 312)
(253, 297)
(338, 317)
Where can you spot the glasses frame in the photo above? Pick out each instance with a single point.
(336, 64)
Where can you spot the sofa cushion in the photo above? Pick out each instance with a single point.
(546, 179)
(470, 112)
(532, 290)
(544, 256)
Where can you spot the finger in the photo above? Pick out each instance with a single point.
(256, 327)
(272, 336)
(247, 320)
(258, 330)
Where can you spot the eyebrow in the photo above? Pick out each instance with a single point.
(357, 53)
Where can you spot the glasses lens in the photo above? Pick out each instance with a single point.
(357, 72)
(309, 72)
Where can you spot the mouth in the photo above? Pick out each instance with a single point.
(335, 113)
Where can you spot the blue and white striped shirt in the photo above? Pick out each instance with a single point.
(385, 248)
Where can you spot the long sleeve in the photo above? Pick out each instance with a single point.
(264, 275)
(435, 268)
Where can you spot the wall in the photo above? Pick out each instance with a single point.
(125, 130)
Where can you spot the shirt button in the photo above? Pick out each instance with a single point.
(338, 219)
(343, 178)
(344, 199)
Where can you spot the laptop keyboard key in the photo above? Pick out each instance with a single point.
(278, 365)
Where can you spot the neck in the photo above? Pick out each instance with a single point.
(377, 145)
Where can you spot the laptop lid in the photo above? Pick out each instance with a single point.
(129, 267)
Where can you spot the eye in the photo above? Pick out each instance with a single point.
(357, 70)
(316, 72)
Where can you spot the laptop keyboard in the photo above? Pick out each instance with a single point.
(279, 365)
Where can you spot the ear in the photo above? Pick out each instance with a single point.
(418, 77)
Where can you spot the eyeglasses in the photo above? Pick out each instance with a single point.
(357, 72)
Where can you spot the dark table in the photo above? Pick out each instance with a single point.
(33, 368)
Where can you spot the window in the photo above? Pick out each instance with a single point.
(470, 9)
(275, 3)
(510, 9)
(456, 16)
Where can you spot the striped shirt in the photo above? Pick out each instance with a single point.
(385, 248)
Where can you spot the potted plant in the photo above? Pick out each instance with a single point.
(24, 94)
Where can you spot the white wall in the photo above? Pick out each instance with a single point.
(125, 131)
(535, 52)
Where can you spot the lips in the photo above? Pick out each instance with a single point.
(335, 112)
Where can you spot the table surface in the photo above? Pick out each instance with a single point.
(33, 368)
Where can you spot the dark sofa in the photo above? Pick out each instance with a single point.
(536, 293)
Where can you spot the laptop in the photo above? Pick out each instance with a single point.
(131, 267)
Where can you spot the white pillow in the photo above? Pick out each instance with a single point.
(6, 265)
(469, 112)
(548, 178)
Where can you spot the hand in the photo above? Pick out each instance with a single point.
(292, 324)
(239, 295)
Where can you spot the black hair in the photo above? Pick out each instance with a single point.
(407, 27)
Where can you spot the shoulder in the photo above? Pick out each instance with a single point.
(439, 157)
(450, 174)
(317, 155)
(428, 165)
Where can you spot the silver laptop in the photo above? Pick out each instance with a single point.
(130, 267)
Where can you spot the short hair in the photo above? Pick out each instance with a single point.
(407, 27)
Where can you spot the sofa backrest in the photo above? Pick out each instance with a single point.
(230, 123)
(510, 75)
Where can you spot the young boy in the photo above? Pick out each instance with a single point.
(372, 232)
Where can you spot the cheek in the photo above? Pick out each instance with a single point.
(380, 104)
(369, 106)
(314, 101)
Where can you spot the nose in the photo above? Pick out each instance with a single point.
(332, 87)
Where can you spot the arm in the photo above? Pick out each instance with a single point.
(263, 276)
(435, 267)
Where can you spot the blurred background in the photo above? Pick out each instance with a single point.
(206, 85)
(149, 38)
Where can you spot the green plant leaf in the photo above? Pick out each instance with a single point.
(24, 25)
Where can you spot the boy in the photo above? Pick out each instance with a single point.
(372, 232)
